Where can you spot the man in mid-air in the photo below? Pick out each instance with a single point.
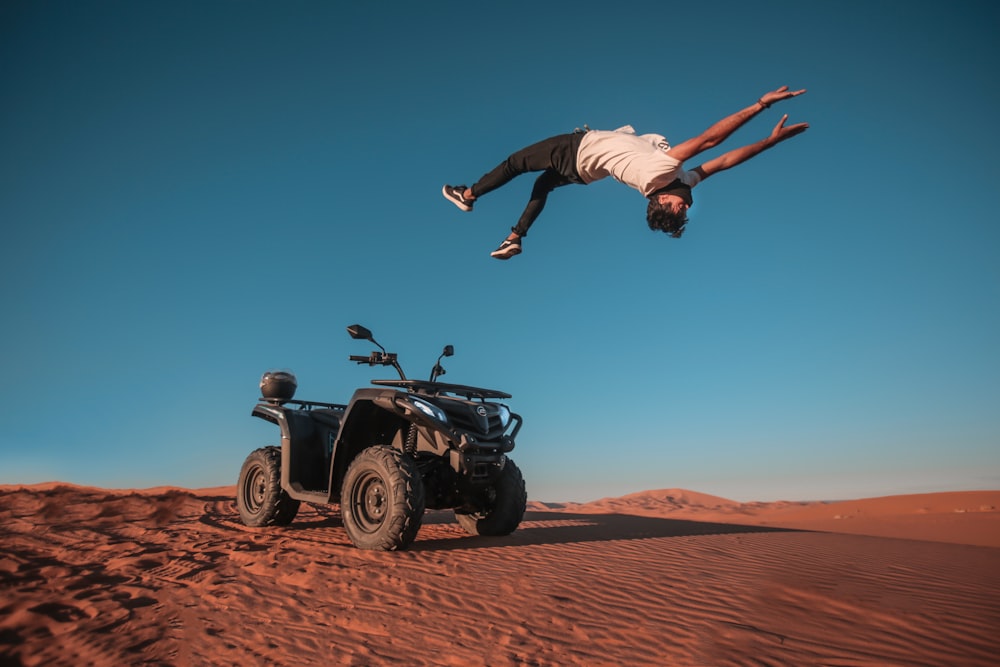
(646, 162)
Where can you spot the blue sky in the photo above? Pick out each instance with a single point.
(192, 193)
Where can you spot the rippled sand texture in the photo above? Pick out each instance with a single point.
(112, 578)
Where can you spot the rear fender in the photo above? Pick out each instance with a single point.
(277, 415)
(272, 413)
(304, 452)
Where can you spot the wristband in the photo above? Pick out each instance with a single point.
(761, 102)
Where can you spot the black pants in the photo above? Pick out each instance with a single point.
(555, 157)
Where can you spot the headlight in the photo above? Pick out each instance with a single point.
(504, 415)
(432, 411)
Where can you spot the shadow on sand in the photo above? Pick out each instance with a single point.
(566, 528)
(537, 527)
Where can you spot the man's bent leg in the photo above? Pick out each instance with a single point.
(544, 184)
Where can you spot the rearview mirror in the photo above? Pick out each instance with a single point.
(359, 332)
(449, 350)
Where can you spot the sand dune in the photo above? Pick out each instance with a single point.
(671, 577)
(962, 517)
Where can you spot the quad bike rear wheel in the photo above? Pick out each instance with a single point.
(504, 508)
(382, 499)
(259, 497)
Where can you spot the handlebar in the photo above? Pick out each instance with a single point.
(376, 359)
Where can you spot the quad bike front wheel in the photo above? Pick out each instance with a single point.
(504, 508)
(259, 497)
(382, 499)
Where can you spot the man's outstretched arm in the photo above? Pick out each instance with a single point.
(744, 153)
(718, 132)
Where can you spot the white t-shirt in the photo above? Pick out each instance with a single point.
(638, 161)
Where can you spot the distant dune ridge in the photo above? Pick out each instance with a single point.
(667, 577)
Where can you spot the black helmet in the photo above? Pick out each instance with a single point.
(278, 386)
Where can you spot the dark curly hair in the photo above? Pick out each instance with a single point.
(664, 219)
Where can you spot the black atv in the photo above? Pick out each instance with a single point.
(385, 457)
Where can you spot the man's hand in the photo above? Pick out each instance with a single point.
(767, 99)
(780, 132)
(721, 130)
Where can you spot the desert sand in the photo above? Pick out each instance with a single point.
(671, 577)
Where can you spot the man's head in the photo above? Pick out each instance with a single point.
(667, 209)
